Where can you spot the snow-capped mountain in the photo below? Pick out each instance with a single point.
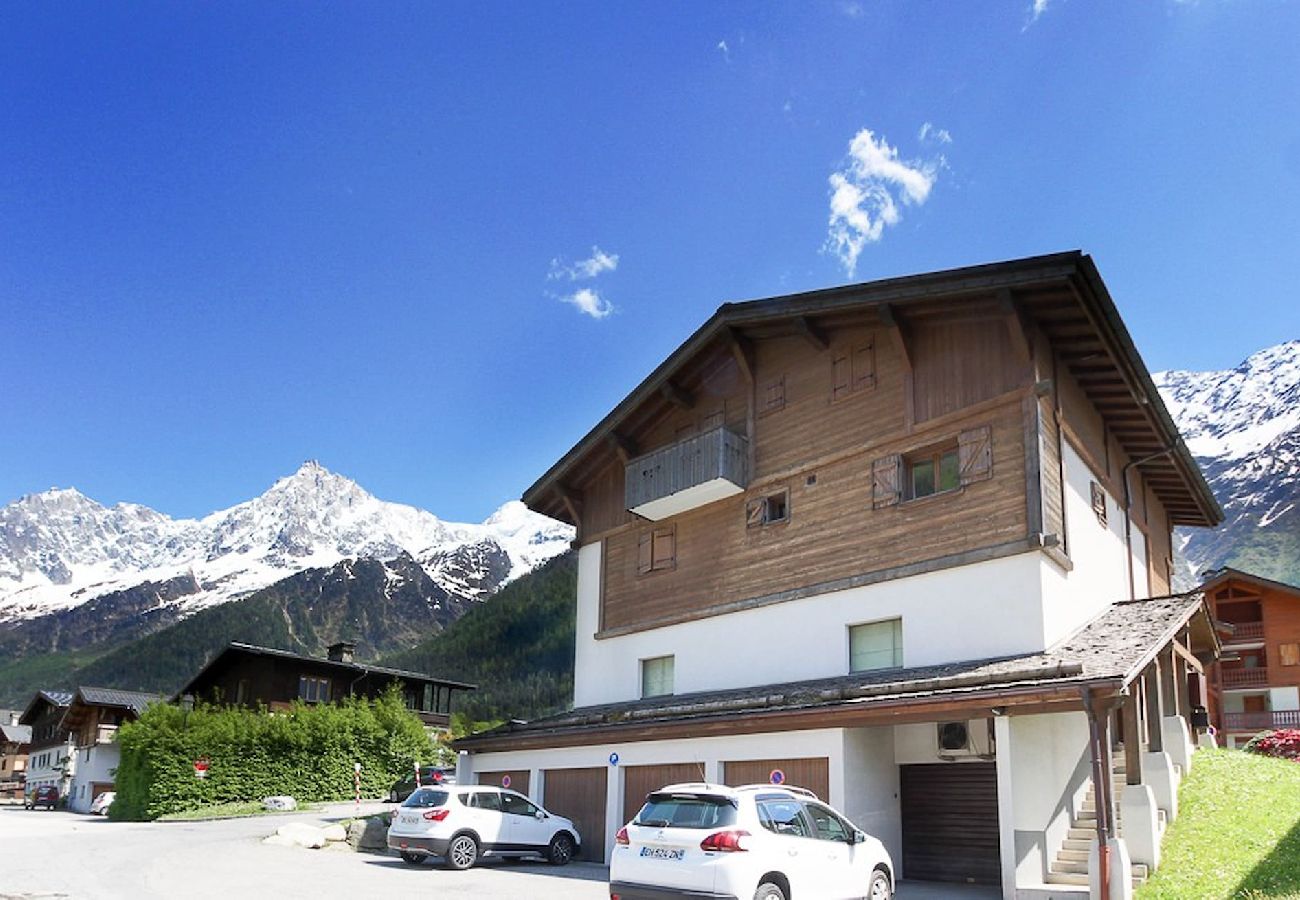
(60, 549)
(1243, 426)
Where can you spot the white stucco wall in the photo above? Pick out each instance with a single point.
(44, 767)
(980, 610)
(1280, 698)
(1100, 573)
(871, 786)
(1043, 760)
(95, 764)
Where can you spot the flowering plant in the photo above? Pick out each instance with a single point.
(1283, 743)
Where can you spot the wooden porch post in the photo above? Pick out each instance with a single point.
(1132, 738)
(1168, 687)
(1154, 707)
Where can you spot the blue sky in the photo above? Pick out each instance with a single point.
(237, 236)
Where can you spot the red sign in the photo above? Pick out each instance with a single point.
(505, 781)
(201, 767)
(776, 776)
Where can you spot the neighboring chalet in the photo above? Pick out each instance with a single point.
(891, 542)
(1256, 687)
(15, 742)
(92, 719)
(50, 759)
(246, 675)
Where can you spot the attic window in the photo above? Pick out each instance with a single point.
(773, 396)
(1099, 502)
(768, 509)
(853, 370)
(932, 472)
(657, 550)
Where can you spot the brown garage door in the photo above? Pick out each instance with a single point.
(641, 780)
(518, 779)
(950, 822)
(811, 772)
(579, 794)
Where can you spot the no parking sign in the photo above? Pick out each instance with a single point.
(776, 776)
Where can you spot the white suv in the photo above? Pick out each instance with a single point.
(463, 824)
(765, 841)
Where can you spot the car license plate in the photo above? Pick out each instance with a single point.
(662, 853)
(410, 820)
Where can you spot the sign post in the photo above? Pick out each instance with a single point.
(356, 782)
(201, 767)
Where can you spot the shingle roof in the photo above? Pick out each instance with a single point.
(1113, 647)
(58, 698)
(16, 734)
(132, 700)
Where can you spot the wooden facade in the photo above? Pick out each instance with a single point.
(245, 675)
(1261, 640)
(827, 393)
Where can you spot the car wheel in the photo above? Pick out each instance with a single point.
(462, 852)
(769, 891)
(560, 851)
(879, 889)
(412, 859)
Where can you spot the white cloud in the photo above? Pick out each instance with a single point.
(724, 50)
(598, 262)
(868, 193)
(1036, 9)
(589, 302)
(852, 9)
(929, 133)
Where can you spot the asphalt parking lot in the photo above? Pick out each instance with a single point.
(56, 855)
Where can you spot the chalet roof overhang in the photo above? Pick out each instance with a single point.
(87, 699)
(42, 700)
(1219, 577)
(236, 650)
(1061, 294)
(1105, 656)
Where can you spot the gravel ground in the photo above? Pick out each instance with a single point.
(59, 854)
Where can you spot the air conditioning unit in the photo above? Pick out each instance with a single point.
(954, 739)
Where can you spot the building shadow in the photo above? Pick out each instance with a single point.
(1276, 875)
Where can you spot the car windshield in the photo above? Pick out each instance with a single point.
(687, 811)
(425, 798)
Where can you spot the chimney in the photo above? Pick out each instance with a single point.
(342, 651)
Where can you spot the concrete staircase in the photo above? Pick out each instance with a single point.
(1071, 863)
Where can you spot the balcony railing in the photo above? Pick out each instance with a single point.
(1244, 632)
(688, 474)
(1240, 678)
(1261, 721)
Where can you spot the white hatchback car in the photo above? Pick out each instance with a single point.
(765, 841)
(464, 824)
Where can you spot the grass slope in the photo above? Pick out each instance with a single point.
(1237, 834)
(517, 647)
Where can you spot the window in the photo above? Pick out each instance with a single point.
(932, 472)
(853, 370)
(768, 509)
(517, 806)
(686, 811)
(783, 817)
(1289, 654)
(657, 550)
(486, 800)
(1099, 502)
(657, 676)
(241, 692)
(773, 396)
(876, 645)
(314, 690)
(829, 827)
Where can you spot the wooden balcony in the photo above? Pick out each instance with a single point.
(1244, 633)
(1261, 721)
(688, 474)
(1245, 678)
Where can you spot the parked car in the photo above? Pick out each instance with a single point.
(99, 806)
(430, 776)
(46, 795)
(769, 842)
(465, 824)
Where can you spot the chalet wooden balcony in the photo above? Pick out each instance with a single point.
(1245, 678)
(1261, 721)
(688, 474)
(1244, 633)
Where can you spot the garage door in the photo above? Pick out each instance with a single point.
(515, 779)
(579, 794)
(641, 780)
(950, 822)
(811, 772)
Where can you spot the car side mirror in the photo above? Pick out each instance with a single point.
(857, 837)
(540, 815)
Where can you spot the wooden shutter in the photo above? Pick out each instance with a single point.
(756, 512)
(664, 552)
(645, 553)
(774, 395)
(1290, 654)
(864, 367)
(885, 480)
(975, 454)
(841, 376)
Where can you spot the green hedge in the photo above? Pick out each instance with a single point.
(307, 753)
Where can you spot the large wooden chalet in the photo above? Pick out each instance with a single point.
(896, 540)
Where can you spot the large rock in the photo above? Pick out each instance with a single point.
(280, 803)
(308, 836)
(369, 834)
(335, 832)
(279, 840)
